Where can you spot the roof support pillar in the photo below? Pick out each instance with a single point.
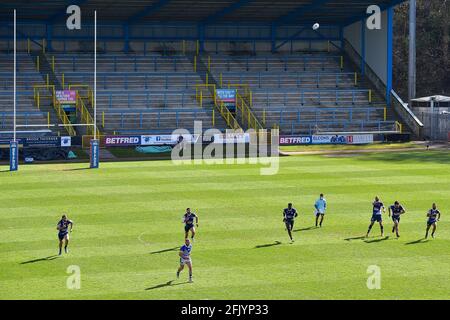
(412, 51)
(390, 35)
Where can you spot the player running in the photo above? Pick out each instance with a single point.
(289, 214)
(321, 206)
(63, 234)
(185, 258)
(378, 210)
(434, 215)
(396, 210)
(188, 220)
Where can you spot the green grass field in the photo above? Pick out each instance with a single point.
(128, 229)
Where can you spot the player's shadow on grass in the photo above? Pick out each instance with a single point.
(276, 243)
(49, 258)
(417, 242)
(355, 238)
(165, 250)
(377, 240)
(77, 169)
(304, 229)
(167, 284)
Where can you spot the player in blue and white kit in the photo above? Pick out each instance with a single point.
(321, 206)
(378, 210)
(434, 215)
(289, 214)
(396, 210)
(63, 232)
(188, 220)
(185, 258)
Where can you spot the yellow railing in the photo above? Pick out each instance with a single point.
(398, 127)
(84, 91)
(228, 116)
(244, 91)
(243, 104)
(205, 91)
(86, 116)
(49, 92)
(63, 117)
(209, 91)
(247, 114)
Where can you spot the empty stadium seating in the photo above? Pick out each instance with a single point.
(138, 94)
(152, 93)
(302, 93)
(27, 112)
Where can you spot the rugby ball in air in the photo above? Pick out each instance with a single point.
(316, 26)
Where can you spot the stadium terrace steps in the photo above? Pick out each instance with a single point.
(286, 88)
(45, 69)
(299, 93)
(275, 63)
(160, 121)
(27, 111)
(140, 93)
(130, 81)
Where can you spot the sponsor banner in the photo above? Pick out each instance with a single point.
(94, 154)
(295, 140)
(66, 141)
(66, 96)
(5, 143)
(50, 141)
(168, 139)
(328, 139)
(232, 138)
(14, 156)
(342, 139)
(227, 96)
(122, 141)
(360, 139)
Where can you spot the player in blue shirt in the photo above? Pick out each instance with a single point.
(185, 258)
(321, 206)
(434, 215)
(63, 232)
(378, 210)
(289, 214)
(396, 210)
(188, 220)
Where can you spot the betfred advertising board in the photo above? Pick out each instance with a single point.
(294, 140)
(122, 141)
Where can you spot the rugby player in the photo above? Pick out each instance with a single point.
(378, 210)
(63, 232)
(289, 214)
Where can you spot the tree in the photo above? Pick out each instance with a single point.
(433, 48)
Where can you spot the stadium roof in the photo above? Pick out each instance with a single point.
(437, 98)
(278, 12)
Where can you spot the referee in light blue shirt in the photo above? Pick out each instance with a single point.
(320, 206)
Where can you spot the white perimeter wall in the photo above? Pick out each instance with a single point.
(376, 45)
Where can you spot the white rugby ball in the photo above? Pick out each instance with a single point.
(316, 26)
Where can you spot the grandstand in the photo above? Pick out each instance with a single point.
(27, 111)
(155, 77)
